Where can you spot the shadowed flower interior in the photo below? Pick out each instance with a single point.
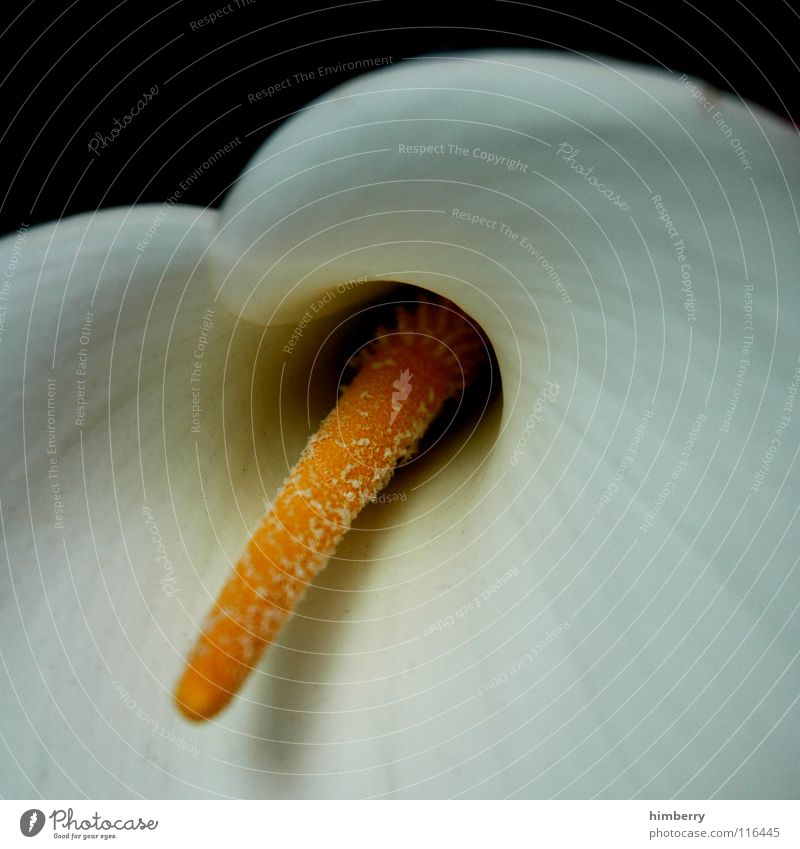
(430, 355)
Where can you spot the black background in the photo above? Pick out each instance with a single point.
(69, 70)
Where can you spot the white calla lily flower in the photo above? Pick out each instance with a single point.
(588, 591)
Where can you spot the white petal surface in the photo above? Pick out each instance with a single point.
(100, 467)
(596, 597)
(652, 506)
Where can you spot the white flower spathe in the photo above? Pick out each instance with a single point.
(595, 597)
